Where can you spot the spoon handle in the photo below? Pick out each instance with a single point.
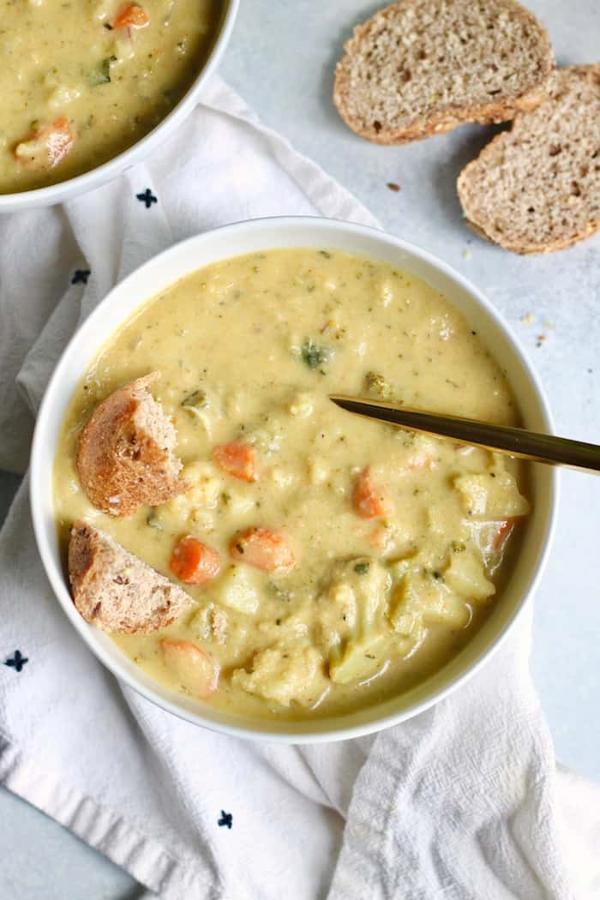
(519, 442)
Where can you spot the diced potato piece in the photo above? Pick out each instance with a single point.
(284, 673)
(237, 588)
(465, 575)
(491, 495)
(421, 599)
(359, 661)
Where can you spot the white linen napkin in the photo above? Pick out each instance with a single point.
(463, 801)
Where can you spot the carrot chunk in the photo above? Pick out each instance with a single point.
(367, 500)
(194, 562)
(503, 532)
(131, 16)
(192, 666)
(263, 549)
(236, 459)
(47, 145)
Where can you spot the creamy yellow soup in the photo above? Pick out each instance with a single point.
(80, 81)
(380, 597)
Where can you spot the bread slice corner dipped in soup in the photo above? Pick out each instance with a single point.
(83, 81)
(248, 543)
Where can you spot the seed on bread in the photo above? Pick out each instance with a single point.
(536, 188)
(126, 455)
(421, 67)
(115, 590)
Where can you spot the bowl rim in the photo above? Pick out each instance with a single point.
(40, 471)
(116, 165)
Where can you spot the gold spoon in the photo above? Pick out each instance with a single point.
(545, 448)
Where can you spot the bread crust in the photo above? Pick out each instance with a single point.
(120, 465)
(115, 590)
(442, 121)
(465, 184)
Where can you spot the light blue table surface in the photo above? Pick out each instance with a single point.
(280, 60)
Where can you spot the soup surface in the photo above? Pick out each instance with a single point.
(83, 80)
(397, 539)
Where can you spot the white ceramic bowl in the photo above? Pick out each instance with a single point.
(248, 237)
(65, 190)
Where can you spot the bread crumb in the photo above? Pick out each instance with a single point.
(467, 254)
(528, 318)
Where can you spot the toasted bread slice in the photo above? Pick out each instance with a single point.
(536, 188)
(117, 591)
(126, 452)
(421, 67)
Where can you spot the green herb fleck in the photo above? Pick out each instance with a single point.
(153, 521)
(101, 74)
(195, 400)
(361, 568)
(313, 355)
(325, 253)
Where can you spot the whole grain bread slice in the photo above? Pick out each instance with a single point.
(126, 454)
(115, 590)
(421, 67)
(536, 188)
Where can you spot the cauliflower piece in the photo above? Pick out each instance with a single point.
(353, 602)
(192, 508)
(237, 588)
(206, 484)
(284, 673)
(211, 623)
